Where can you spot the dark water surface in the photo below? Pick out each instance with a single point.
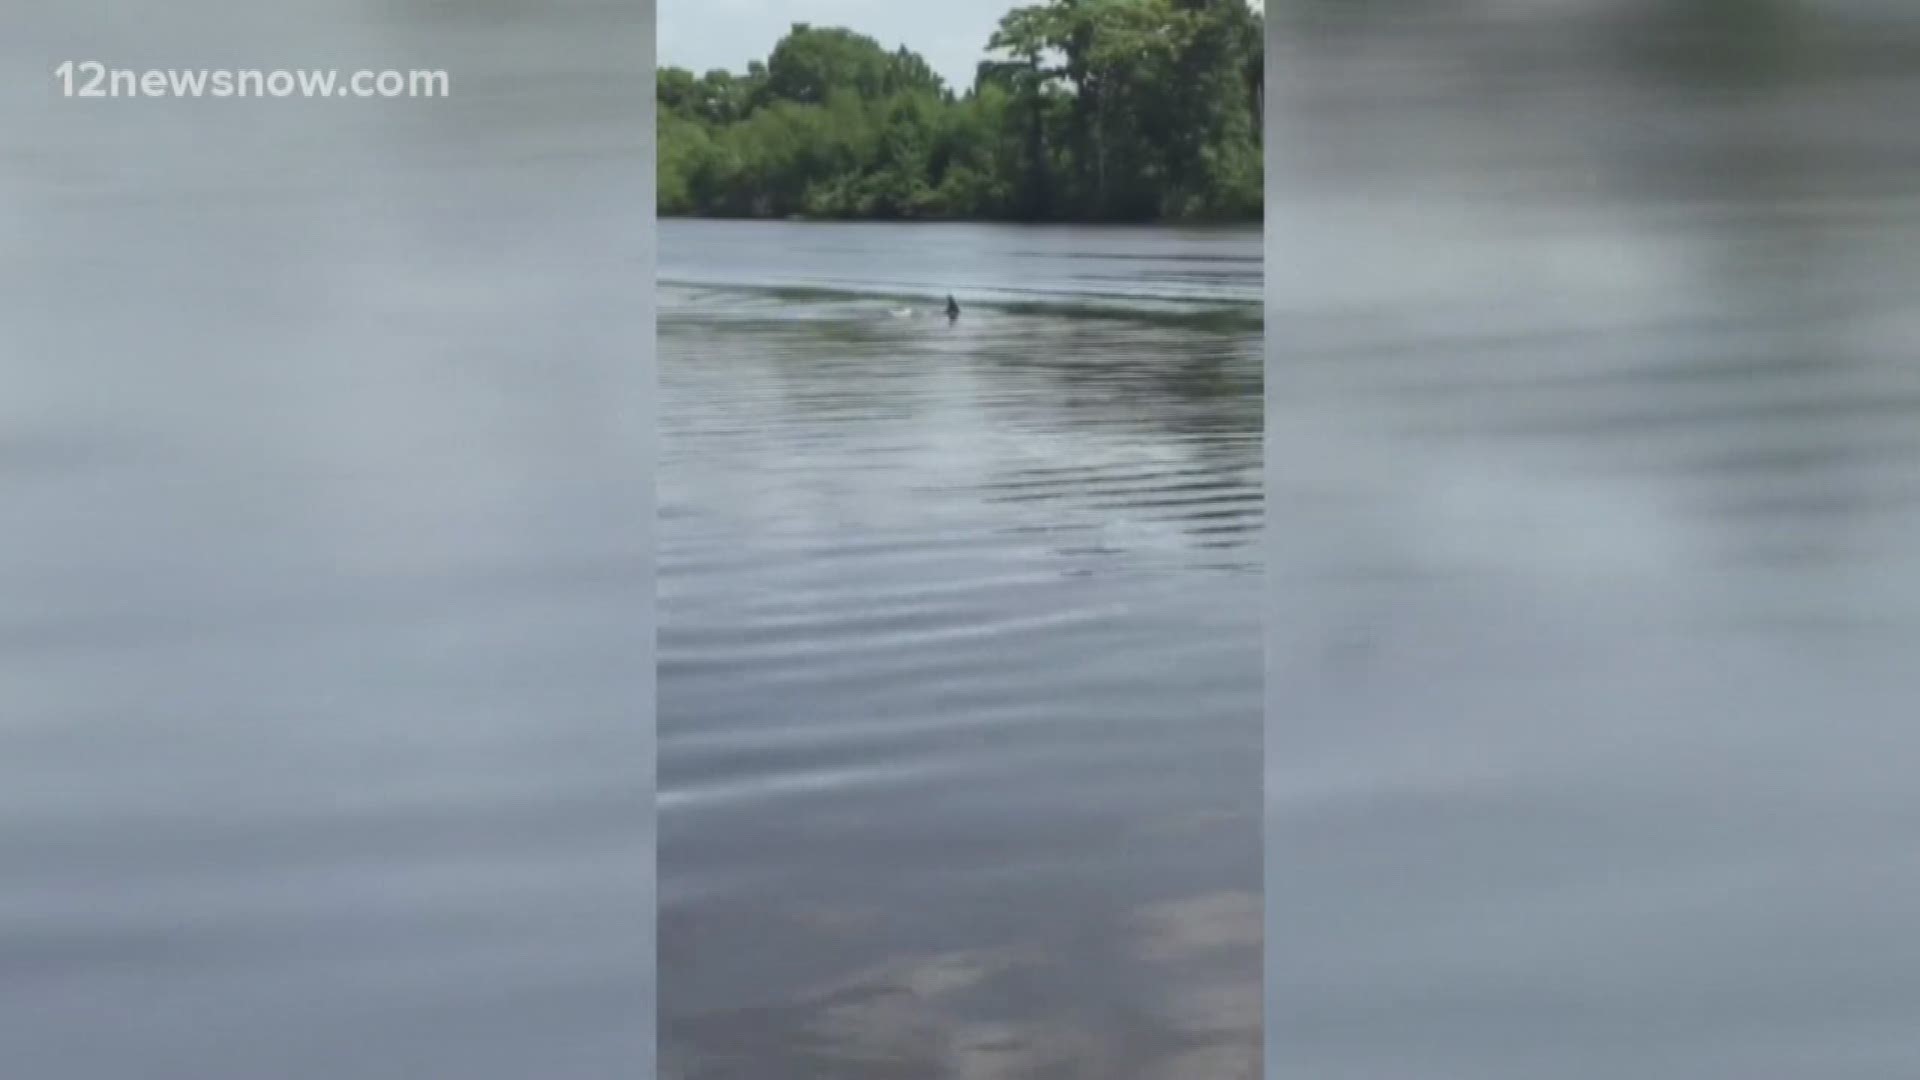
(1137, 270)
(1596, 435)
(960, 656)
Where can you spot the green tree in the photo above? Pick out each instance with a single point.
(1083, 110)
(809, 64)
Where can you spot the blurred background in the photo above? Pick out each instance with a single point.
(325, 657)
(1594, 465)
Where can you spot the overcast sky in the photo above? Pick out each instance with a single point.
(951, 34)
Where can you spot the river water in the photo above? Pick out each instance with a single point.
(960, 652)
(325, 701)
(1595, 458)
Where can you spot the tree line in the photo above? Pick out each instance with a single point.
(1087, 110)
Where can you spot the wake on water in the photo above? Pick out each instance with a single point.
(814, 302)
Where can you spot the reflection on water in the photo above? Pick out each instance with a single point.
(959, 672)
(1592, 629)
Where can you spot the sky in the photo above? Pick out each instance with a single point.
(950, 34)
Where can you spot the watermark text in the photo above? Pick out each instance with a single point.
(93, 79)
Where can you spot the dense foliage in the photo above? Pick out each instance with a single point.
(1090, 110)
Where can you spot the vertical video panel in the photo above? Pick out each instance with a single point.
(325, 672)
(960, 501)
(1592, 581)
